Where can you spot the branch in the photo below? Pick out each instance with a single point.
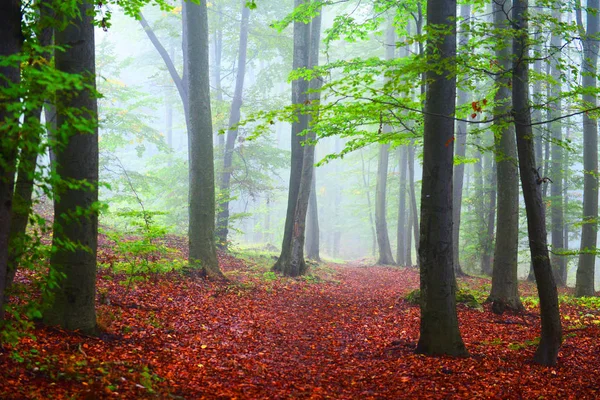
(166, 58)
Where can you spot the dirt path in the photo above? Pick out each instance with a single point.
(351, 337)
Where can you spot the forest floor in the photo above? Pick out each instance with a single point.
(344, 332)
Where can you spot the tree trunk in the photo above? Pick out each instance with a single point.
(505, 279)
(439, 332)
(402, 212)
(73, 303)
(299, 126)
(202, 255)
(408, 235)
(460, 151)
(490, 213)
(11, 44)
(312, 223)
(23, 190)
(297, 262)
(584, 284)
(365, 174)
(551, 335)
(232, 132)
(556, 192)
(413, 196)
(383, 240)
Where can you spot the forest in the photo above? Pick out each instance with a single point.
(320, 199)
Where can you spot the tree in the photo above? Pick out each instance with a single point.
(556, 165)
(23, 189)
(439, 332)
(10, 46)
(201, 235)
(584, 285)
(381, 229)
(460, 151)
(232, 131)
(551, 335)
(75, 228)
(505, 281)
(312, 223)
(401, 236)
(284, 264)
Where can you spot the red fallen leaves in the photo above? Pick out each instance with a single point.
(352, 337)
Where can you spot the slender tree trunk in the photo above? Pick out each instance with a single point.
(297, 262)
(299, 98)
(439, 332)
(505, 279)
(551, 335)
(23, 190)
(460, 151)
(383, 240)
(312, 223)
(365, 174)
(584, 285)
(556, 192)
(232, 131)
(218, 48)
(414, 212)
(402, 211)
(11, 44)
(488, 240)
(408, 235)
(73, 304)
(202, 255)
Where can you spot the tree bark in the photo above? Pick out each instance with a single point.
(414, 212)
(232, 131)
(402, 211)
(460, 151)
(505, 279)
(383, 240)
(23, 190)
(298, 236)
(312, 223)
(488, 239)
(556, 192)
(584, 282)
(551, 335)
(299, 127)
(439, 332)
(202, 254)
(73, 304)
(11, 44)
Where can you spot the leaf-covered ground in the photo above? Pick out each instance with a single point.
(347, 333)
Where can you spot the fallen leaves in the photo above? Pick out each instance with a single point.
(352, 337)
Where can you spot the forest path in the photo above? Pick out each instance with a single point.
(349, 336)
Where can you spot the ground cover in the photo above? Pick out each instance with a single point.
(346, 331)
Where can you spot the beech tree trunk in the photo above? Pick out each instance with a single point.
(232, 131)
(11, 44)
(460, 151)
(298, 235)
(22, 200)
(383, 240)
(402, 211)
(201, 237)
(551, 335)
(505, 280)
(414, 212)
(489, 214)
(73, 304)
(312, 224)
(299, 98)
(439, 332)
(584, 283)
(556, 174)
